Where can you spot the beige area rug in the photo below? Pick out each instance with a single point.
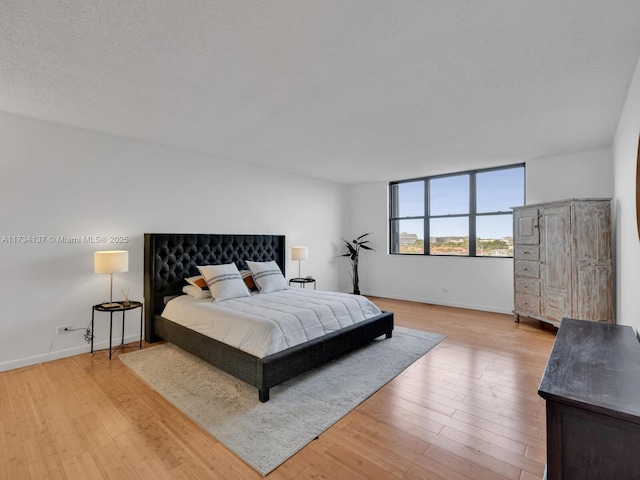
(266, 434)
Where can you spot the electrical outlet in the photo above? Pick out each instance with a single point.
(63, 329)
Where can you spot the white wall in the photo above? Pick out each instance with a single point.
(60, 181)
(625, 148)
(477, 283)
(577, 175)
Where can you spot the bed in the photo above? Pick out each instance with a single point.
(170, 258)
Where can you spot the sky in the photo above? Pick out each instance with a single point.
(496, 191)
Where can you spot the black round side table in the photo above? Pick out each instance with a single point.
(118, 307)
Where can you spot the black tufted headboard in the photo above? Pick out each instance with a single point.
(170, 257)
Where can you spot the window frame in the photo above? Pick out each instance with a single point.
(472, 214)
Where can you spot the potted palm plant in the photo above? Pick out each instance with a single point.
(354, 247)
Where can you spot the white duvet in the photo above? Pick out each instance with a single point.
(264, 324)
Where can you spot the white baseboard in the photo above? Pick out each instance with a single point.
(482, 308)
(58, 354)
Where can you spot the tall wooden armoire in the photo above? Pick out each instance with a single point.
(563, 261)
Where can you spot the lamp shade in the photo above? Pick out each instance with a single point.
(299, 253)
(111, 261)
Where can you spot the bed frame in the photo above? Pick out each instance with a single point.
(169, 258)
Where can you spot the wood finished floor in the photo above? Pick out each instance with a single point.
(468, 409)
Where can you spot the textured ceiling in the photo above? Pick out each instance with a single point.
(344, 90)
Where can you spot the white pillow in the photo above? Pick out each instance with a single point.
(196, 292)
(267, 276)
(224, 281)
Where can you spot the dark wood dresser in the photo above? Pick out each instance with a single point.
(592, 389)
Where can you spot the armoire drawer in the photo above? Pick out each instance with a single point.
(527, 285)
(527, 268)
(528, 303)
(527, 252)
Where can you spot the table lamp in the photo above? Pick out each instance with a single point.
(111, 261)
(299, 253)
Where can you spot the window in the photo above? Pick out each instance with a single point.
(465, 214)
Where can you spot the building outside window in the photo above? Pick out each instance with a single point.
(462, 214)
